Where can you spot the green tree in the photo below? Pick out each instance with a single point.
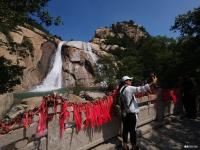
(150, 54)
(106, 70)
(20, 12)
(188, 25)
(10, 75)
(159, 54)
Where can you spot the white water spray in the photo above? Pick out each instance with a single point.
(88, 50)
(53, 79)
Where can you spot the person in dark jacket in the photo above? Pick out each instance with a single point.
(188, 94)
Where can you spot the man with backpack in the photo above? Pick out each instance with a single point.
(130, 108)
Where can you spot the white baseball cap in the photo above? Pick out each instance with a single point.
(124, 78)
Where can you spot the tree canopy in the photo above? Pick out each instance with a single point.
(188, 25)
(20, 12)
(10, 75)
(139, 59)
(169, 58)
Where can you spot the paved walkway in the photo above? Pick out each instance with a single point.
(177, 135)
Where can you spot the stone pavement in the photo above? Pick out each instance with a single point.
(174, 134)
(179, 134)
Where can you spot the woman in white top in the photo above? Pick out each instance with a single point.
(127, 92)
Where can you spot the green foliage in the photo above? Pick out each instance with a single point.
(58, 37)
(118, 27)
(188, 24)
(120, 34)
(188, 45)
(33, 24)
(167, 57)
(159, 55)
(10, 75)
(29, 46)
(139, 59)
(112, 40)
(20, 12)
(21, 50)
(129, 66)
(106, 71)
(76, 90)
(122, 42)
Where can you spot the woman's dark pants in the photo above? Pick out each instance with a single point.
(129, 125)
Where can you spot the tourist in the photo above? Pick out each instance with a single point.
(130, 108)
(188, 94)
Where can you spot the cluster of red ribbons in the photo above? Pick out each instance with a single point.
(24, 119)
(170, 94)
(96, 113)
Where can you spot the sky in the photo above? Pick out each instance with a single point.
(82, 17)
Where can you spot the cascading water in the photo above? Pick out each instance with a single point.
(88, 49)
(53, 79)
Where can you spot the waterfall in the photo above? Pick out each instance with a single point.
(53, 79)
(88, 50)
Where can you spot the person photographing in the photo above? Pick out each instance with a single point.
(130, 108)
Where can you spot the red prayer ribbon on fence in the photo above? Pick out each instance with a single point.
(64, 116)
(43, 112)
(96, 113)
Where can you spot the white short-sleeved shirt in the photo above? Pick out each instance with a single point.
(129, 93)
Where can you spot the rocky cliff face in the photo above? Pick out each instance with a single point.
(79, 58)
(119, 30)
(36, 65)
(78, 65)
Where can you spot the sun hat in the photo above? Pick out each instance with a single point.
(124, 78)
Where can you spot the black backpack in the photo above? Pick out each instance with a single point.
(124, 108)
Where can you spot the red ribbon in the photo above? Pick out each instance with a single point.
(97, 113)
(43, 112)
(108, 108)
(77, 117)
(64, 115)
(25, 120)
(89, 116)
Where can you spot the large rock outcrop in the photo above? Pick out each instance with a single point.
(79, 64)
(79, 58)
(119, 30)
